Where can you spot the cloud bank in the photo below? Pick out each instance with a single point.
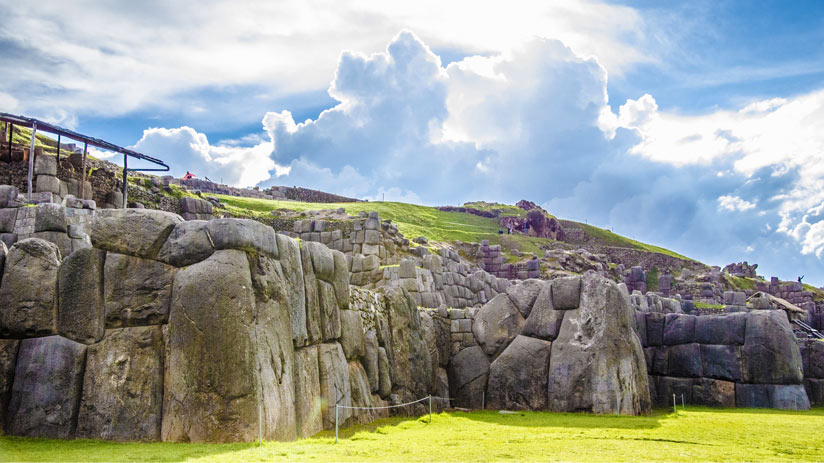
(535, 122)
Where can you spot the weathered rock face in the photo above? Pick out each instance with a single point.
(24, 311)
(351, 339)
(496, 324)
(411, 365)
(46, 389)
(468, 374)
(334, 384)
(123, 387)
(136, 232)
(523, 295)
(188, 243)
(597, 362)
(517, 378)
(137, 291)
(290, 259)
(308, 419)
(544, 321)
(8, 360)
(218, 318)
(243, 235)
(80, 285)
(769, 341)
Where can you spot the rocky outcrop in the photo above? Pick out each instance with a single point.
(28, 293)
(518, 377)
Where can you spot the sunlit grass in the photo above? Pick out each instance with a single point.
(697, 434)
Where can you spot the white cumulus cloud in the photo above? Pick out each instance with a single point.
(734, 203)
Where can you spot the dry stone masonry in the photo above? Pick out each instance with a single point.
(135, 324)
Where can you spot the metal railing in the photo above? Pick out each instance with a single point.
(36, 124)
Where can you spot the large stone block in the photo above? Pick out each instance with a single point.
(370, 359)
(244, 235)
(46, 390)
(655, 328)
(352, 335)
(81, 314)
(8, 361)
(566, 292)
(523, 295)
(136, 232)
(45, 165)
(47, 184)
(771, 355)
(679, 329)
(543, 321)
(468, 373)
(713, 393)
(329, 311)
(666, 387)
(815, 390)
(307, 392)
(496, 324)
(722, 362)
(123, 386)
(334, 384)
(8, 216)
(293, 275)
(518, 377)
(195, 205)
(30, 263)
(136, 291)
(228, 315)
(50, 217)
(340, 281)
(721, 329)
(684, 360)
(313, 308)
(59, 239)
(782, 396)
(410, 361)
(188, 243)
(8, 196)
(323, 262)
(597, 360)
(384, 373)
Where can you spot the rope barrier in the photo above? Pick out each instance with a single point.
(385, 407)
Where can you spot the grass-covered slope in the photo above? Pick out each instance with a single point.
(436, 225)
(698, 434)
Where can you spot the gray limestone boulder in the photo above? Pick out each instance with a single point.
(566, 292)
(188, 243)
(361, 396)
(46, 390)
(244, 235)
(721, 361)
(518, 377)
(496, 324)
(597, 360)
(323, 262)
(30, 263)
(122, 396)
(523, 295)
(684, 360)
(8, 217)
(8, 361)
(229, 315)
(81, 314)
(543, 321)
(655, 328)
(410, 362)
(329, 311)
(340, 280)
(771, 355)
(334, 384)
(311, 296)
(8, 196)
(136, 232)
(714, 393)
(782, 396)
(468, 374)
(679, 329)
(45, 165)
(60, 239)
(721, 329)
(352, 335)
(384, 373)
(50, 217)
(307, 392)
(136, 291)
(370, 359)
(293, 274)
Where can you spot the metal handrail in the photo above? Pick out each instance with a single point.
(36, 124)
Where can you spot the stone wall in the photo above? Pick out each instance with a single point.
(175, 330)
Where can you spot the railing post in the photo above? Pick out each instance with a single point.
(336, 423)
(125, 180)
(11, 137)
(58, 150)
(83, 172)
(430, 408)
(31, 157)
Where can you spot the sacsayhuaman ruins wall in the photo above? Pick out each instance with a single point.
(135, 324)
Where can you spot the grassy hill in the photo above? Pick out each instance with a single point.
(436, 225)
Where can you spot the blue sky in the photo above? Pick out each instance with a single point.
(697, 126)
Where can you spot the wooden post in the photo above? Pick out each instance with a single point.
(31, 157)
(11, 137)
(83, 172)
(58, 150)
(125, 180)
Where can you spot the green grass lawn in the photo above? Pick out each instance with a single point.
(698, 434)
(414, 220)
